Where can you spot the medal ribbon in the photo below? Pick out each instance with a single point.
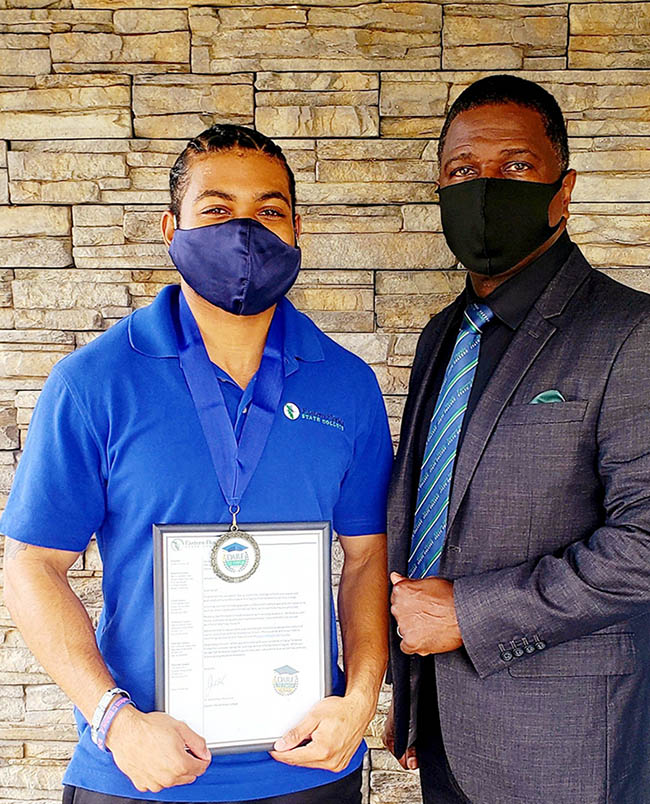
(234, 464)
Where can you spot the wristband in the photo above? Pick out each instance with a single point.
(109, 717)
(102, 706)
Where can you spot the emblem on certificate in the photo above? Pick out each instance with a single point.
(242, 628)
(235, 556)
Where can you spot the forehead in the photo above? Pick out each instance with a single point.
(496, 126)
(238, 172)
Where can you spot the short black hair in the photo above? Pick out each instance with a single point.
(499, 89)
(223, 137)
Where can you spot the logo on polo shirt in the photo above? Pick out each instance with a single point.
(291, 411)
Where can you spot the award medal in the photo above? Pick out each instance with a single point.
(235, 555)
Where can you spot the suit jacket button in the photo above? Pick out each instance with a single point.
(518, 652)
(506, 656)
(540, 645)
(530, 648)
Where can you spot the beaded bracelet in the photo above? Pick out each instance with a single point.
(109, 717)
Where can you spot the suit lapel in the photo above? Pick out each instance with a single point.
(526, 345)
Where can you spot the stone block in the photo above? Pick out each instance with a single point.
(15, 61)
(30, 221)
(335, 219)
(130, 255)
(55, 717)
(10, 750)
(34, 294)
(317, 121)
(371, 347)
(141, 21)
(421, 218)
(9, 438)
(315, 82)
(12, 709)
(35, 166)
(148, 178)
(610, 35)
(420, 282)
(134, 197)
(348, 278)
(97, 215)
(397, 35)
(403, 349)
(72, 275)
(77, 319)
(52, 749)
(33, 19)
(392, 380)
(388, 787)
(143, 226)
(27, 364)
(88, 50)
(18, 660)
(98, 236)
(409, 312)
(31, 777)
(498, 36)
(92, 558)
(394, 192)
(48, 252)
(371, 149)
(58, 192)
(336, 321)
(376, 251)
(67, 107)
(401, 98)
(377, 170)
(182, 106)
(604, 186)
(335, 299)
(42, 697)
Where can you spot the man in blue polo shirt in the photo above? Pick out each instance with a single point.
(117, 443)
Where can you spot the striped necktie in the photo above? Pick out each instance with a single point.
(430, 522)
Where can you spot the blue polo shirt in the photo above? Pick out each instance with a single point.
(115, 445)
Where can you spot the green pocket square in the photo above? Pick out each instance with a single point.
(548, 396)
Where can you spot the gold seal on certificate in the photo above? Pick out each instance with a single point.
(242, 628)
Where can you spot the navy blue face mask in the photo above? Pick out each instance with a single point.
(240, 266)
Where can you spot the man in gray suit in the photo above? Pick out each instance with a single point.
(519, 516)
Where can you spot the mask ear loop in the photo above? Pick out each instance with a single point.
(175, 221)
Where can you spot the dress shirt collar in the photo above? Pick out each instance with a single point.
(512, 300)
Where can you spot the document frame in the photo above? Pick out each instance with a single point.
(163, 534)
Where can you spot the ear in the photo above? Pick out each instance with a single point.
(297, 225)
(559, 206)
(167, 226)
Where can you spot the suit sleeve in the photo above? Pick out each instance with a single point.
(593, 583)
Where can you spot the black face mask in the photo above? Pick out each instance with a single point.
(492, 224)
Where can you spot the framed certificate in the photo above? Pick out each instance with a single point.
(243, 628)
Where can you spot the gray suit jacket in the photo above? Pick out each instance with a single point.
(548, 543)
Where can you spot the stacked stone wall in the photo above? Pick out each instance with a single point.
(97, 97)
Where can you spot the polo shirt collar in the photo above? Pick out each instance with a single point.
(152, 331)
